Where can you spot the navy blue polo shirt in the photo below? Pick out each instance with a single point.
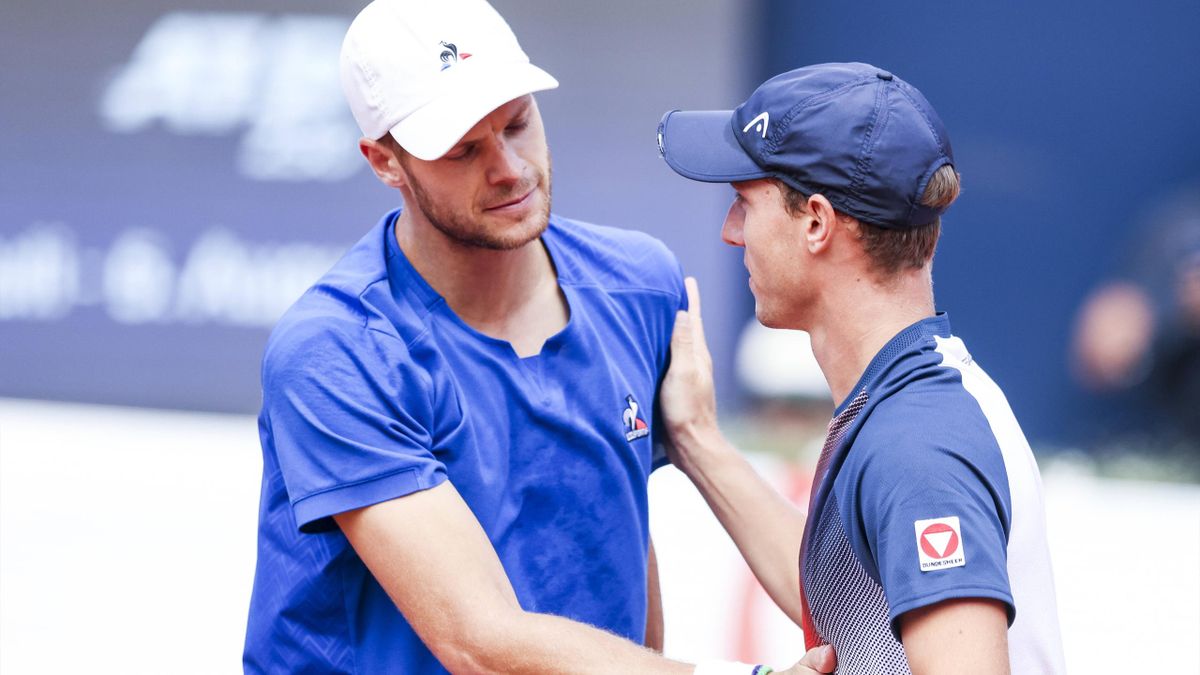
(926, 491)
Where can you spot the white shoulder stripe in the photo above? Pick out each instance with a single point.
(1035, 644)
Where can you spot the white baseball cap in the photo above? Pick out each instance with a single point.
(427, 71)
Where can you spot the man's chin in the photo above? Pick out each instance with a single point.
(766, 317)
(773, 318)
(509, 236)
(515, 240)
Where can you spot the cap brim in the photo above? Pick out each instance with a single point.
(700, 145)
(431, 130)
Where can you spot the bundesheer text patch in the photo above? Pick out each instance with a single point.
(940, 543)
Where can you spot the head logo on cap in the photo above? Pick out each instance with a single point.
(450, 55)
(759, 123)
(860, 136)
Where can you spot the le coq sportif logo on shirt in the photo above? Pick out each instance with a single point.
(939, 543)
(635, 426)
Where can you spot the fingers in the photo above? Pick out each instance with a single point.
(693, 295)
(685, 322)
(682, 336)
(697, 322)
(820, 659)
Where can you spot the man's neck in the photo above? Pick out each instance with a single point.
(511, 295)
(851, 326)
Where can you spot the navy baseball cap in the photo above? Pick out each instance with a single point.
(862, 137)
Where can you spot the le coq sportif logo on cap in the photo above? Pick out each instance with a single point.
(450, 55)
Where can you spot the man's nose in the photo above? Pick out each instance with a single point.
(731, 231)
(505, 165)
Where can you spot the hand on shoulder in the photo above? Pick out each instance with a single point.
(687, 397)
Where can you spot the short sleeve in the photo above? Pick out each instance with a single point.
(936, 520)
(348, 415)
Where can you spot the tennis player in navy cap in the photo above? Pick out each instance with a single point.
(924, 547)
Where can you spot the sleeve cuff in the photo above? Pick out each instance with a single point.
(659, 457)
(961, 592)
(313, 512)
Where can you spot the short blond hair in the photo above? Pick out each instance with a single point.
(894, 250)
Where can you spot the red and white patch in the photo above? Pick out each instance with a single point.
(940, 543)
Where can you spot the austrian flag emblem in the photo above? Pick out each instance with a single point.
(940, 543)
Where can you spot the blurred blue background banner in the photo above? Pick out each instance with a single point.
(173, 178)
(176, 174)
(173, 175)
(1069, 121)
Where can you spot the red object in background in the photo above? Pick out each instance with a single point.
(746, 645)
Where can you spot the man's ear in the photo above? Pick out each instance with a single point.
(384, 162)
(818, 233)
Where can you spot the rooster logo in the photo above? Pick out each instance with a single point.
(635, 427)
(450, 55)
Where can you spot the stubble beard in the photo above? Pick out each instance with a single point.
(461, 229)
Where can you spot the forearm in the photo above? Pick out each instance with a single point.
(655, 633)
(526, 642)
(765, 526)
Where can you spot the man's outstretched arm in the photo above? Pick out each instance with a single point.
(766, 527)
(655, 632)
(432, 557)
(434, 560)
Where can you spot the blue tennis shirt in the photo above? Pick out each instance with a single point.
(926, 491)
(373, 389)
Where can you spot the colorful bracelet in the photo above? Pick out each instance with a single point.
(730, 668)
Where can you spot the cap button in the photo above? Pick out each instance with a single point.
(884, 75)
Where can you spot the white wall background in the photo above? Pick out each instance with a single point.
(127, 546)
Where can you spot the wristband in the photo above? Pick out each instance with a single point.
(730, 668)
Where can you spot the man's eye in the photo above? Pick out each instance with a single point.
(518, 126)
(460, 153)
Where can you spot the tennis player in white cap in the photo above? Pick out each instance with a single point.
(458, 419)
